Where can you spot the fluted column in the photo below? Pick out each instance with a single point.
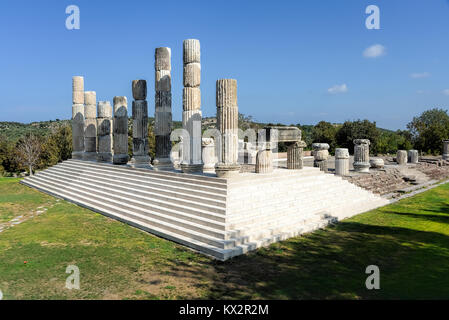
(401, 157)
(341, 162)
(361, 155)
(163, 108)
(295, 155)
(264, 161)
(120, 139)
(141, 157)
(77, 117)
(191, 104)
(227, 125)
(446, 149)
(321, 155)
(90, 126)
(104, 131)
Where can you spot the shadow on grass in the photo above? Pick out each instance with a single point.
(441, 218)
(331, 264)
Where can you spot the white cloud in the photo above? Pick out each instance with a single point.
(338, 88)
(446, 92)
(419, 75)
(375, 51)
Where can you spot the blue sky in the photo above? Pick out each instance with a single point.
(296, 61)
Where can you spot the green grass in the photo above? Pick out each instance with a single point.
(409, 241)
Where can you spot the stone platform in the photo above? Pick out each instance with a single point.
(218, 217)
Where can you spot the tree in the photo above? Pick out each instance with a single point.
(306, 134)
(151, 139)
(244, 122)
(429, 129)
(404, 140)
(325, 132)
(57, 146)
(29, 151)
(360, 129)
(391, 142)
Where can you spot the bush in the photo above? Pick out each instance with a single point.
(325, 132)
(360, 129)
(429, 129)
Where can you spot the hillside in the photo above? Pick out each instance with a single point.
(12, 131)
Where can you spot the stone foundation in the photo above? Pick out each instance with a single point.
(219, 217)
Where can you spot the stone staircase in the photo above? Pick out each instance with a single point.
(217, 217)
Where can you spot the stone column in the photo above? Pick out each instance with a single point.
(413, 156)
(104, 131)
(163, 109)
(77, 117)
(401, 157)
(361, 155)
(90, 126)
(295, 155)
(120, 140)
(141, 157)
(208, 154)
(264, 161)
(445, 149)
(320, 154)
(341, 162)
(191, 104)
(227, 125)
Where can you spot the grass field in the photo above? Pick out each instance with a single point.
(409, 241)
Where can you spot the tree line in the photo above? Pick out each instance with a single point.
(424, 133)
(36, 150)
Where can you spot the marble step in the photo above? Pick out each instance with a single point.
(89, 201)
(166, 186)
(309, 203)
(214, 216)
(137, 201)
(148, 175)
(213, 251)
(196, 179)
(192, 222)
(137, 188)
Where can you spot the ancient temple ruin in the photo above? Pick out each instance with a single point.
(209, 203)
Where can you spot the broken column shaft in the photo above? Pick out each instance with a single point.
(141, 157)
(361, 155)
(227, 125)
(77, 117)
(446, 149)
(191, 115)
(120, 138)
(321, 155)
(208, 154)
(341, 162)
(295, 155)
(401, 157)
(104, 131)
(163, 108)
(90, 126)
